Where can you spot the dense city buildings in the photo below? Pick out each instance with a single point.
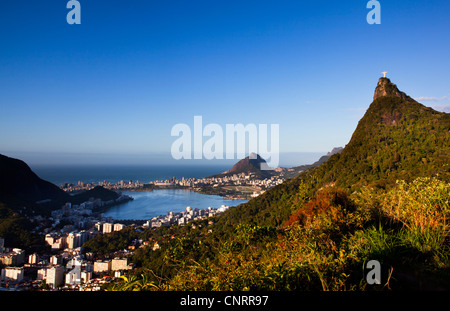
(254, 186)
(67, 266)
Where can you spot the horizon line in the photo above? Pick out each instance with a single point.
(33, 158)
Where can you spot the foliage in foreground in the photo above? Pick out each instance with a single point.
(323, 246)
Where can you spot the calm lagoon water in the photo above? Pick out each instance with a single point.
(60, 174)
(148, 204)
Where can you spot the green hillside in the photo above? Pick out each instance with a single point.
(20, 186)
(398, 138)
(384, 198)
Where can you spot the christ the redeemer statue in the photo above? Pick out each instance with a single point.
(384, 73)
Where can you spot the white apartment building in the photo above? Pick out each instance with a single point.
(55, 276)
(33, 259)
(12, 274)
(52, 275)
(56, 242)
(102, 266)
(78, 276)
(118, 227)
(55, 260)
(120, 264)
(77, 239)
(107, 227)
(72, 241)
(99, 226)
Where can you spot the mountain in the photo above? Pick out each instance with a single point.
(19, 185)
(249, 165)
(386, 88)
(397, 138)
(335, 151)
(296, 170)
(319, 230)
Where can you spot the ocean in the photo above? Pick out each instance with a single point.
(60, 174)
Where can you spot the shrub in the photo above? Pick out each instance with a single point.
(422, 204)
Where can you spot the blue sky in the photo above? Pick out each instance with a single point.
(115, 85)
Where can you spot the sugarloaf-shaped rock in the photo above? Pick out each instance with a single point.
(254, 165)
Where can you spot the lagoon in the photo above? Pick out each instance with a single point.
(149, 204)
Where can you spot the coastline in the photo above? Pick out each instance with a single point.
(220, 190)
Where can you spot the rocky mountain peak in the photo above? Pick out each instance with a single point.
(386, 88)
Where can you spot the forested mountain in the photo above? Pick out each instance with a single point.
(397, 138)
(19, 185)
(385, 197)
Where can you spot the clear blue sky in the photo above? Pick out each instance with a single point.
(117, 83)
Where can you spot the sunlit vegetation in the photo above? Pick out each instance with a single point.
(385, 197)
(323, 246)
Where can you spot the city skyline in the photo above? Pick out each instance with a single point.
(115, 85)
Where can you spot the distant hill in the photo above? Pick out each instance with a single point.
(296, 170)
(335, 150)
(19, 185)
(97, 192)
(252, 164)
(397, 138)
